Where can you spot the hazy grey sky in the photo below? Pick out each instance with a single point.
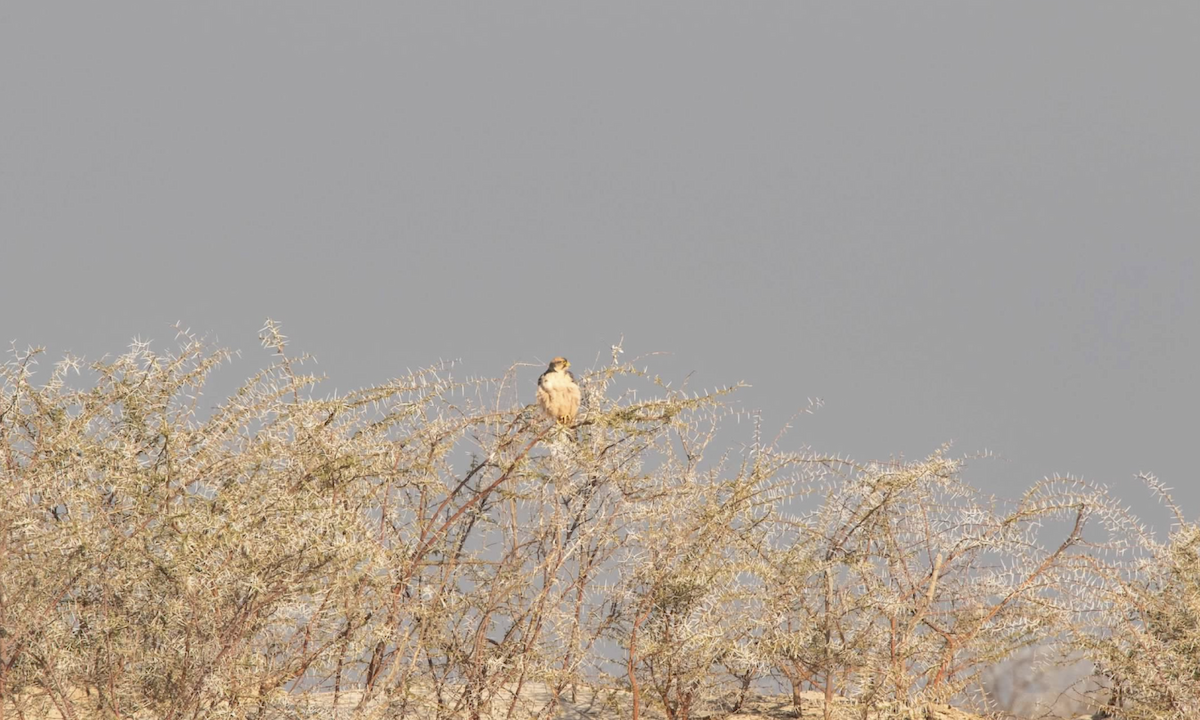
(957, 221)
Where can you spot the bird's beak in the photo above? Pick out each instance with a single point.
(566, 363)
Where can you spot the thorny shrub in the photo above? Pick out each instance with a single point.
(1146, 639)
(435, 547)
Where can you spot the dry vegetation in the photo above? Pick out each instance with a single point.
(434, 548)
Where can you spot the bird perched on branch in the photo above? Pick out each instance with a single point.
(558, 393)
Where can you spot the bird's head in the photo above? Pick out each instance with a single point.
(559, 363)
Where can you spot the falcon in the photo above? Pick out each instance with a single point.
(558, 393)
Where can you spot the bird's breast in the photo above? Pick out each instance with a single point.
(556, 381)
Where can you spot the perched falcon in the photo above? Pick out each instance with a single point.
(558, 393)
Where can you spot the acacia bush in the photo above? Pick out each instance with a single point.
(1146, 639)
(435, 547)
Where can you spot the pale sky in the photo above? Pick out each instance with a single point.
(968, 222)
